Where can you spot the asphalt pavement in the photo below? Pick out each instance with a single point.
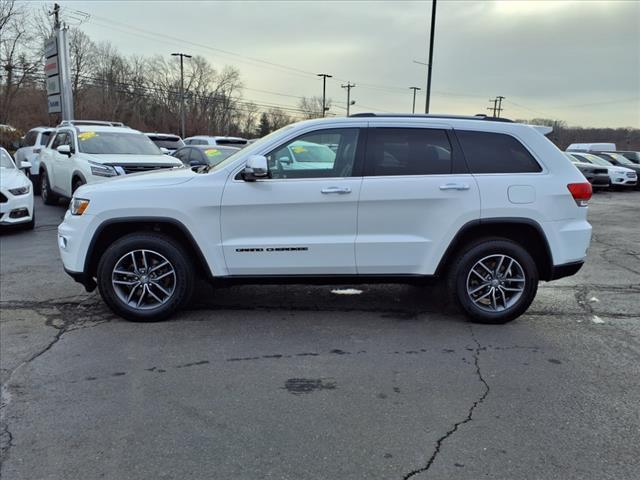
(314, 382)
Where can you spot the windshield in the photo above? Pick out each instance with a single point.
(215, 155)
(257, 145)
(5, 160)
(171, 143)
(598, 160)
(104, 143)
(622, 159)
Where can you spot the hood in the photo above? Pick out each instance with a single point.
(140, 181)
(12, 178)
(115, 159)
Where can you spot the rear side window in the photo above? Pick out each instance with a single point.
(30, 138)
(408, 151)
(488, 152)
(44, 138)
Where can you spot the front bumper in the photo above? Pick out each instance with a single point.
(624, 181)
(85, 280)
(74, 236)
(17, 209)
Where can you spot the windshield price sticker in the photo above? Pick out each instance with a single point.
(87, 135)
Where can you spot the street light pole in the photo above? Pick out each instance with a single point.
(348, 86)
(182, 112)
(415, 89)
(324, 91)
(430, 63)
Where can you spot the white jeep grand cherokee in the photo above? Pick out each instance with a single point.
(88, 151)
(491, 206)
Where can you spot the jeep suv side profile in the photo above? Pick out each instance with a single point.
(491, 207)
(82, 152)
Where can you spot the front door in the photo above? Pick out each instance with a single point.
(301, 220)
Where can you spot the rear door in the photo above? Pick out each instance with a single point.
(299, 221)
(416, 194)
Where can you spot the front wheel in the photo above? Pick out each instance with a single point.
(494, 281)
(48, 196)
(145, 277)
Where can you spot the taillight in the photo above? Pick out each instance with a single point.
(37, 150)
(581, 192)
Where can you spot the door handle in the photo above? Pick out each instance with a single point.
(455, 186)
(338, 190)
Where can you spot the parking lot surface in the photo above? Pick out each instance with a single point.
(313, 382)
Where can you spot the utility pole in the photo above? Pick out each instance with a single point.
(182, 112)
(430, 62)
(415, 89)
(499, 98)
(348, 86)
(324, 91)
(495, 102)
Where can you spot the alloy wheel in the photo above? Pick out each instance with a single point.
(143, 279)
(495, 283)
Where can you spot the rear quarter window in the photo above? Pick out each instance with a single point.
(488, 152)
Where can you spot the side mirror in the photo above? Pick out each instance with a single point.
(255, 168)
(284, 160)
(166, 151)
(64, 150)
(25, 165)
(195, 163)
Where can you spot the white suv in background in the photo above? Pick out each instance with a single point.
(34, 141)
(490, 206)
(82, 152)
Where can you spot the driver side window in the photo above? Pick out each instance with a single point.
(319, 154)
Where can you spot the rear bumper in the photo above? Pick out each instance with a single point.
(565, 270)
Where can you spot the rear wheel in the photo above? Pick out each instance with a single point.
(145, 277)
(494, 280)
(48, 196)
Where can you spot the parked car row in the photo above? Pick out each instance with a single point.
(604, 166)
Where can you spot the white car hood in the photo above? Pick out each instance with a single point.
(133, 159)
(12, 178)
(139, 181)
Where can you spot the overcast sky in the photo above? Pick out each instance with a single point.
(576, 61)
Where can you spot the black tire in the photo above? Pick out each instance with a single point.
(48, 196)
(35, 180)
(150, 242)
(460, 276)
(77, 183)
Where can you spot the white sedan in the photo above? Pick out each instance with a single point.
(16, 194)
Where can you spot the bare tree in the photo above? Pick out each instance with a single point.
(20, 55)
(312, 106)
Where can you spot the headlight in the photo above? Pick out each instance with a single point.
(20, 191)
(101, 170)
(79, 206)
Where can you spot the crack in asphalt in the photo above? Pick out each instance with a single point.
(467, 419)
(67, 323)
(619, 249)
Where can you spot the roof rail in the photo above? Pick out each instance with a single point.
(479, 116)
(75, 123)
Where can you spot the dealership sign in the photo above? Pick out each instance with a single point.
(50, 47)
(51, 66)
(53, 85)
(52, 74)
(55, 103)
